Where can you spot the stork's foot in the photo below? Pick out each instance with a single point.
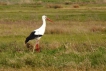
(37, 50)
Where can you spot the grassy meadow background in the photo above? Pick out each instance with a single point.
(74, 41)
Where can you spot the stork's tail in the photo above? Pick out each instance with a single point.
(27, 39)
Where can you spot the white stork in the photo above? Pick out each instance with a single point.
(36, 34)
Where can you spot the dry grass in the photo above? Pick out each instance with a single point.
(98, 29)
(64, 27)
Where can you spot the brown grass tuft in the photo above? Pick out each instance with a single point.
(98, 29)
(55, 6)
(75, 5)
(3, 3)
(68, 2)
(29, 45)
(38, 3)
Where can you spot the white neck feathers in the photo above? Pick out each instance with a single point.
(44, 23)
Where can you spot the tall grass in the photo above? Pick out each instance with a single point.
(60, 49)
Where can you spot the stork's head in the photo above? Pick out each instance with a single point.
(45, 18)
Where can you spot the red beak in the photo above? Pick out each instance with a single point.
(49, 19)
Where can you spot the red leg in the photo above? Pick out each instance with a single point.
(37, 47)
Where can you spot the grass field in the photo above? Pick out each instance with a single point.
(75, 41)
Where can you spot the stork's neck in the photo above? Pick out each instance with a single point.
(44, 23)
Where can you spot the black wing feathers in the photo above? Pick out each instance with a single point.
(32, 36)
